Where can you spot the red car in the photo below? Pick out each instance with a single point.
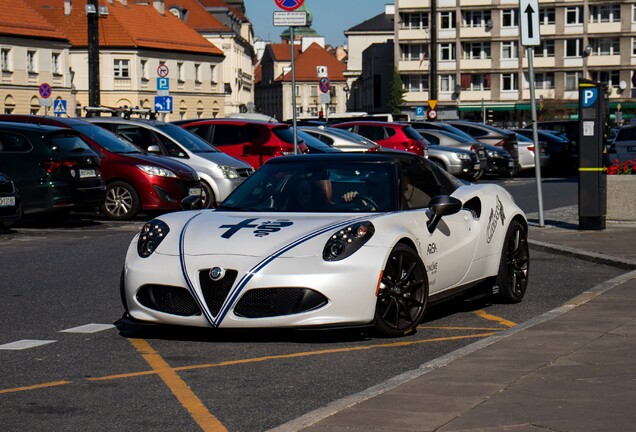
(135, 181)
(394, 135)
(252, 141)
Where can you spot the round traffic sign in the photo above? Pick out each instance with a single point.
(163, 70)
(289, 5)
(324, 85)
(45, 91)
(432, 114)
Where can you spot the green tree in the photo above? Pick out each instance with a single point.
(396, 98)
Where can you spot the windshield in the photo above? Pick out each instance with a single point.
(284, 133)
(412, 133)
(190, 141)
(314, 144)
(106, 139)
(340, 187)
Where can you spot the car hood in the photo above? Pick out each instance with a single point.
(221, 158)
(212, 232)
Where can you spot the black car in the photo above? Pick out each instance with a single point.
(500, 163)
(562, 150)
(54, 169)
(10, 206)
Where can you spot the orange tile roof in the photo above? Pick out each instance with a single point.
(305, 65)
(127, 26)
(221, 3)
(198, 17)
(258, 74)
(17, 18)
(282, 52)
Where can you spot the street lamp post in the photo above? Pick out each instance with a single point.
(93, 53)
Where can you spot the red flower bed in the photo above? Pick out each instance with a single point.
(618, 168)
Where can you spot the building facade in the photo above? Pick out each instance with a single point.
(482, 68)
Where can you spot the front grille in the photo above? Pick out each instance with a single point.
(168, 299)
(244, 172)
(271, 302)
(215, 292)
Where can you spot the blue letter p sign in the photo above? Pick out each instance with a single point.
(588, 96)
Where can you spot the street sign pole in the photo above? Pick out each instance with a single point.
(293, 89)
(529, 23)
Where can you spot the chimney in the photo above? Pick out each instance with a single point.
(160, 6)
(68, 5)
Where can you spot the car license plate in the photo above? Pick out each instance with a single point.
(476, 167)
(87, 173)
(194, 191)
(631, 149)
(7, 202)
(511, 164)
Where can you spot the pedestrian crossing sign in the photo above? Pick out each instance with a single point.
(59, 107)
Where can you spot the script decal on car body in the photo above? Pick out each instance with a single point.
(495, 214)
(262, 229)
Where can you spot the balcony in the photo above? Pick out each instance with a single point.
(476, 64)
(413, 65)
(604, 60)
(593, 28)
(417, 35)
(474, 32)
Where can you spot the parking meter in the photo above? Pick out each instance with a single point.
(592, 176)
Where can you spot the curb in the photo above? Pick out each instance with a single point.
(621, 263)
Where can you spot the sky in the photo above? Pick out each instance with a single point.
(330, 17)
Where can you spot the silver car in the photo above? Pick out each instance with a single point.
(459, 162)
(340, 138)
(463, 141)
(220, 173)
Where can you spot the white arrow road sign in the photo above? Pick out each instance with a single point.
(529, 22)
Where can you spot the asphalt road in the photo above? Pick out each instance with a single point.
(90, 371)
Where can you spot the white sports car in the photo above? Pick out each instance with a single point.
(329, 240)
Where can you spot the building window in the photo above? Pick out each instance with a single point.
(509, 82)
(413, 52)
(313, 111)
(546, 16)
(574, 15)
(55, 64)
(573, 47)
(447, 20)
(612, 78)
(5, 59)
(477, 18)
(121, 68)
(414, 21)
(544, 80)
(197, 73)
(634, 13)
(571, 81)
(509, 18)
(476, 50)
(213, 74)
(299, 110)
(605, 13)
(180, 72)
(545, 49)
(447, 83)
(475, 82)
(144, 70)
(313, 90)
(447, 51)
(415, 83)
(633, 47)
(605, 46)
(31, 62)
(509, 50)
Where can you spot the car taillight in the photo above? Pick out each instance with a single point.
(416, 147)
(52, 166)
(531, 148)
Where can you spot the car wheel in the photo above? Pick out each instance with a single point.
(122, 201)
(479, 174)
(512, 280)
(403, 293)
(207, 196)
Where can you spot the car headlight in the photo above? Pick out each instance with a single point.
(462, 156)
(346, 241)
(152, 234)
(155, 170)
(492, 154)
(228, 173)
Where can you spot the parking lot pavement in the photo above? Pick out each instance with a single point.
(570, 369)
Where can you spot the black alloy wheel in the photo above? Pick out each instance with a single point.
(512, 280)
(403, 293)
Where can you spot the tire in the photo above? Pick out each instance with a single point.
(512, 281)
(403, 293)
(207, 196)
(479, 174)
(122, 201)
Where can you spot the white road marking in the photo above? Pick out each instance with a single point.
(88, 328)
(25, 344)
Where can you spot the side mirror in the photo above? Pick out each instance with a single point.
(153, 149)
(192, 202)
(440, 206)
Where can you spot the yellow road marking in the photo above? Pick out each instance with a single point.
(490, 332)
(35, 386)
(459, 328)
(206, 421)
(487, 316)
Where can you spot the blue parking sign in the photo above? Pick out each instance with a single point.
(163, 104)
(59, 107)
(163, 83)
(419, 111)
